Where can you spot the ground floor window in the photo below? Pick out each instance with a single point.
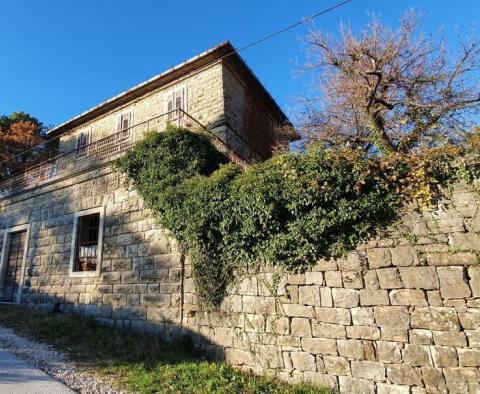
(86, 253)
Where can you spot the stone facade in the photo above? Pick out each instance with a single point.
(400, 314)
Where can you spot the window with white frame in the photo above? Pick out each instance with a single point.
(124, 123)
(83, 139)
(87, 241)
(176, 102)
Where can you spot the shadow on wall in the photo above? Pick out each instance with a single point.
(140, 286)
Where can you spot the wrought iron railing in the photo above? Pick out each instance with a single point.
(101, 151)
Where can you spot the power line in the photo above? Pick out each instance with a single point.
(236, 50)
(290, 27)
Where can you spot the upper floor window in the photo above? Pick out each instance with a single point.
(176, 100)
(125, 123)
(83, 139)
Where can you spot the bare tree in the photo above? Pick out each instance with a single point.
(391, 91)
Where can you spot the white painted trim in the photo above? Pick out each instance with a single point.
(97, 272)
(171, 93)
(3, 262)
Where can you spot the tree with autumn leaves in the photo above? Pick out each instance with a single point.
(22, 142)
(391, 91)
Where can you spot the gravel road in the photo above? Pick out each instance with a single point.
(52, 363)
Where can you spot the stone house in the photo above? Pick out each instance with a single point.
(401, 314)
(73, 234)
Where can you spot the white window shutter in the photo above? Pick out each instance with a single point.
(119, 122)
(184, 99)
(130, 118)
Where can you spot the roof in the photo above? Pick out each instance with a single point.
(224, 51)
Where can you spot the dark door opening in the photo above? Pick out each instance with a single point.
(13, 272)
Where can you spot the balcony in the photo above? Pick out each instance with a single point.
(100, 152)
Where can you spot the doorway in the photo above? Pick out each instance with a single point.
(13, 263)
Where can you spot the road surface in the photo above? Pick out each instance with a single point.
(19, 377)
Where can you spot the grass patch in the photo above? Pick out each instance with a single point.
(139, 362)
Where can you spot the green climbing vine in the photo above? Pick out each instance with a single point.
(288, 211)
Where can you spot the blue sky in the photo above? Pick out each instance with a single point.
(60, 58)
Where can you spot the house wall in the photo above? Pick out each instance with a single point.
(217, 98)
(252, 126)
(205, 104)
(399, 315)
(140, 281)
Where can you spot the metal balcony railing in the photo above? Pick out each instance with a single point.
(99, 152)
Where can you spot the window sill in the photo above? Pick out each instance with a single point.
(83, 274)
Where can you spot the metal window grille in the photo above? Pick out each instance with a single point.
(87, 242)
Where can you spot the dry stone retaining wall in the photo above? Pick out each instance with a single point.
(399, 315)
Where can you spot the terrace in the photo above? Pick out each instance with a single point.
(102, 151)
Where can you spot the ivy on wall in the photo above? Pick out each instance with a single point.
(288, 211)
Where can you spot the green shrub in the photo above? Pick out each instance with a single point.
(288, 211)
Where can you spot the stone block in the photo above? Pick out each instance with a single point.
(408, 297)
(328, 330)
(388, 352)
(465, 241)
(314, 278)
(238, 357)
(473, 337)
(450, 338)
(404, 375)
(363, 332)
(474, 274)
(444, 356)
(434, 298)
(309, 295)
(257, 304)
(321, 379)
(470, 320)
(351, 348)
(419, 277)
(416, 355)
(352, 280)
(435, 318)
(154, 275)
(403, 256)
(353, 262)
(326, 297)
(363, 316)
(333, 315)
(303, 361)
(421, 337)
(335, 365)
(300, 327)
(449, 259)
(469, 357)
(345, 298)
(319, 346)
(379, 257)
(333, 278)
(434, 380)
(371, 280)
(374, 297)
(389, 278)
(462, 380)
(295, 310)
(369, 370)
(453, 282)
(384, 388)
(355, 386)
(392, 316)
